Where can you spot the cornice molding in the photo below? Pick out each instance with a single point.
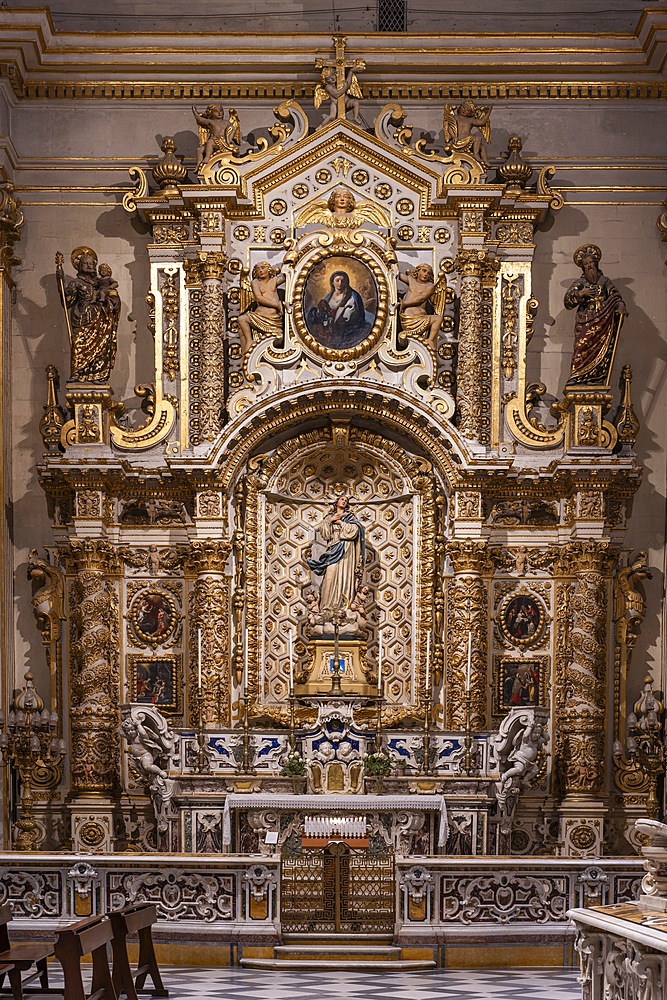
(41, 63)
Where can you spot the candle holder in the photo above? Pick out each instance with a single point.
(203, 763)
(246, 762)
(467, 743)
(426, 738)
(292, 734)
(378, 725)
(29, 742)
(336, 689)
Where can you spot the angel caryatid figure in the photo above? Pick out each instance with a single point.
(92, 307)
(327, 89)
(341, 210)
(416, 320)
(216, 135)
(459, 128)
(261, 308)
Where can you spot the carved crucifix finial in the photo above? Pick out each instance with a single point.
(338, 83)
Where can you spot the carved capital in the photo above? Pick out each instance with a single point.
(475, 264)
(89, 555)
(207, 557)
(589, 556)
(212, 265)
(468, 556)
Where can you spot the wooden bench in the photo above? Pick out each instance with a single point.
(16, 959)
(86, 937)
(133, 919)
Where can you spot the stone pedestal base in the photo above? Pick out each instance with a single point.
(92, 826)
(92, 407)
(581, 828)
(351, 654)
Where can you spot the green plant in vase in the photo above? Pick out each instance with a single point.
(294, 766)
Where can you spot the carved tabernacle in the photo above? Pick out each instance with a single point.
(346, 547)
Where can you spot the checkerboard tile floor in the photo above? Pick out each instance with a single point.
(247, 984)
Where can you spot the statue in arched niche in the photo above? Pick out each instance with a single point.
(341, 563)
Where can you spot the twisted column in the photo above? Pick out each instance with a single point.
(210, 613)
(467, 614)
(94, 717)
(581, 720)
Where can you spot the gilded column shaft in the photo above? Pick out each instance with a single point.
(210, 618)
(467, 628)
(582, 717)
(94, 718)
(212, 348)
(469, 370)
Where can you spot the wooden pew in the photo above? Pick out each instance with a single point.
(136, 918)
(18, 958)
(86, 937)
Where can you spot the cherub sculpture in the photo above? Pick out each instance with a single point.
(341, 210)
(416, 320)
(216, 135)
(522, 735)
(459, 128)
(327, 89)
(150, 745)
(261, 308)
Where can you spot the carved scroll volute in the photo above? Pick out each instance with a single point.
(467, 627)
(207, 561)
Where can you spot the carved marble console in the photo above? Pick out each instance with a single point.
(622, 948)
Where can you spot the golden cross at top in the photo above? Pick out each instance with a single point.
(341, 66)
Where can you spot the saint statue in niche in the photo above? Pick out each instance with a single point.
(341, 564)
(92, 308)
(600, 315)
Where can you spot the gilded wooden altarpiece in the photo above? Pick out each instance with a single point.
(492, 527)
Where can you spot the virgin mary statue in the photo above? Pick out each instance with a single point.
(341, 563)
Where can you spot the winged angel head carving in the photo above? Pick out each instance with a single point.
(342, 211)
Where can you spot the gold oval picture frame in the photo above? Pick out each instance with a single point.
(154, 616)
(340, 303)
(522, 619)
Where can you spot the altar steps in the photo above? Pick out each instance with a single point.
(370, 953)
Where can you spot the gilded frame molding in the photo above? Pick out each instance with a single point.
(306, 267)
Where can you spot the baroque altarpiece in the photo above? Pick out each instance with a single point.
(349, 564)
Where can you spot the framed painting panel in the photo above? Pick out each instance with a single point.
(156, 680)
(520, 683)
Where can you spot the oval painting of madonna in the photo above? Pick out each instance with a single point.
(340, 301)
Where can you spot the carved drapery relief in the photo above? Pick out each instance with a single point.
(94, 682)
(467, 615)
(210, 614)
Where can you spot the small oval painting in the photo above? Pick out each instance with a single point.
(153, 616)
(340, 301)
(522, 619)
